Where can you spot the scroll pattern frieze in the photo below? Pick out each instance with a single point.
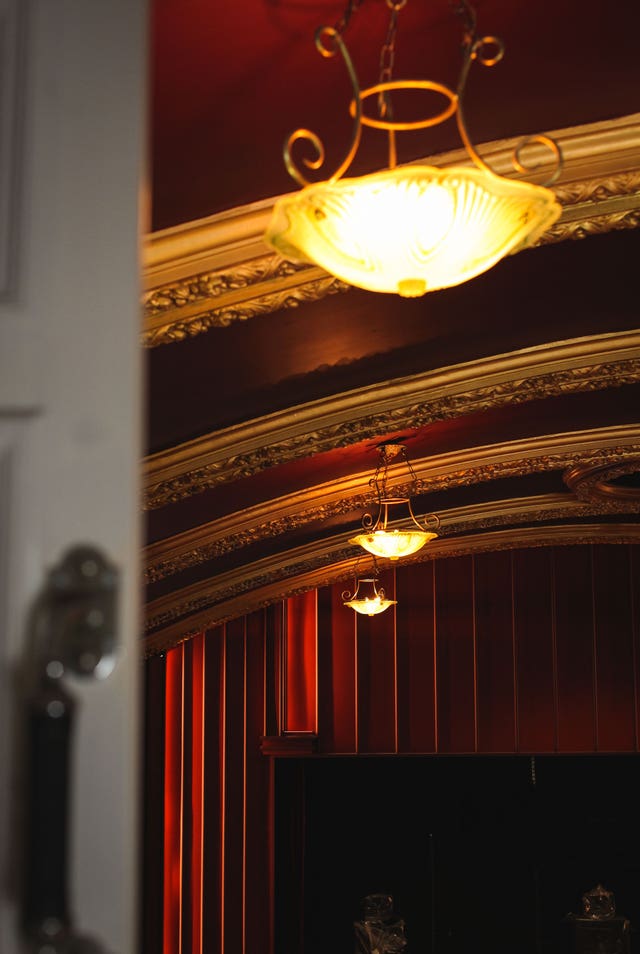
(594, 225)
(176, 624)
(596, 483)
(607, 457)
(265, 284)
(418, 414)
(220, 307)
(212, 285)
(622, 184)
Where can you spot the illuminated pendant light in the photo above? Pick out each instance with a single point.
(399, 541)
(368, 598)
(415, 228)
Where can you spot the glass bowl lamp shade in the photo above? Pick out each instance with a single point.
(408, 535)
(369, 603)
(413, 229)
(395, 543)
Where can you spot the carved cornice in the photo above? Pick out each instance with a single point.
(601, 448)
(255, 288)
(594, 483)
(592, 225)
(595, 206)
(583, 364)
(178, 553)
(211, 285)
(203, 616)
(210, 273)
(614, 189)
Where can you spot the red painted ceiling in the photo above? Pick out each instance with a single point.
(229, 82)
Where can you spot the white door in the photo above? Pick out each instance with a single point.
(72, 137)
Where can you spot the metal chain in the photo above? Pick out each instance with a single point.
(387, 58)
(352, 7)
(467, 14)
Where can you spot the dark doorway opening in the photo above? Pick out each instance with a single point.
(479, 853)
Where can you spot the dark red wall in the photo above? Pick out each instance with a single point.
(521, 651)
(529, 651)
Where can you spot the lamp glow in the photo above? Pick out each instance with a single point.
(370, 605)
(410, 536)
(393, 544)
(412, 229)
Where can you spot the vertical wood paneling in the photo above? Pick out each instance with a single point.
(197, 790)
(173, 788)
(615, 676)
(301, 663)
(495, 653)
(219, 794)
(192, 794)
(533, 613)
(274, 621)
(415, 636)
(534, 639)
(186, 922)
(455, 655)
(376, 677)
(336, 672)
(153, 805)
(258, 861)
(234, 788)
(214, 779)
(574, 649)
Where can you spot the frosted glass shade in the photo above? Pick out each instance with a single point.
(393, 544)
(413, 229)
(370, 606)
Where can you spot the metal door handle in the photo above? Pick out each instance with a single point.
(72, 631)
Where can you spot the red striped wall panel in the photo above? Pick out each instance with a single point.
(534, 637)
(614, 650)
(534, 651)
(337, 690)
(173, 802)
(531, 651)
(574, 625)
(376, 678)
(183, 798)
(495, 661)
(151, 927)
(300, 664)
(234, 786)
(258, 849)
(455, 656)
(416, 650)
(216, 795)
(194, 834)
(213, 791)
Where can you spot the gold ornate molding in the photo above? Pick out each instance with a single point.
(210, 273)
(596, 224)
(600, 361)
(196, 614)
(606, 447)
(215, 300)
(613, 189)
(594, 483)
